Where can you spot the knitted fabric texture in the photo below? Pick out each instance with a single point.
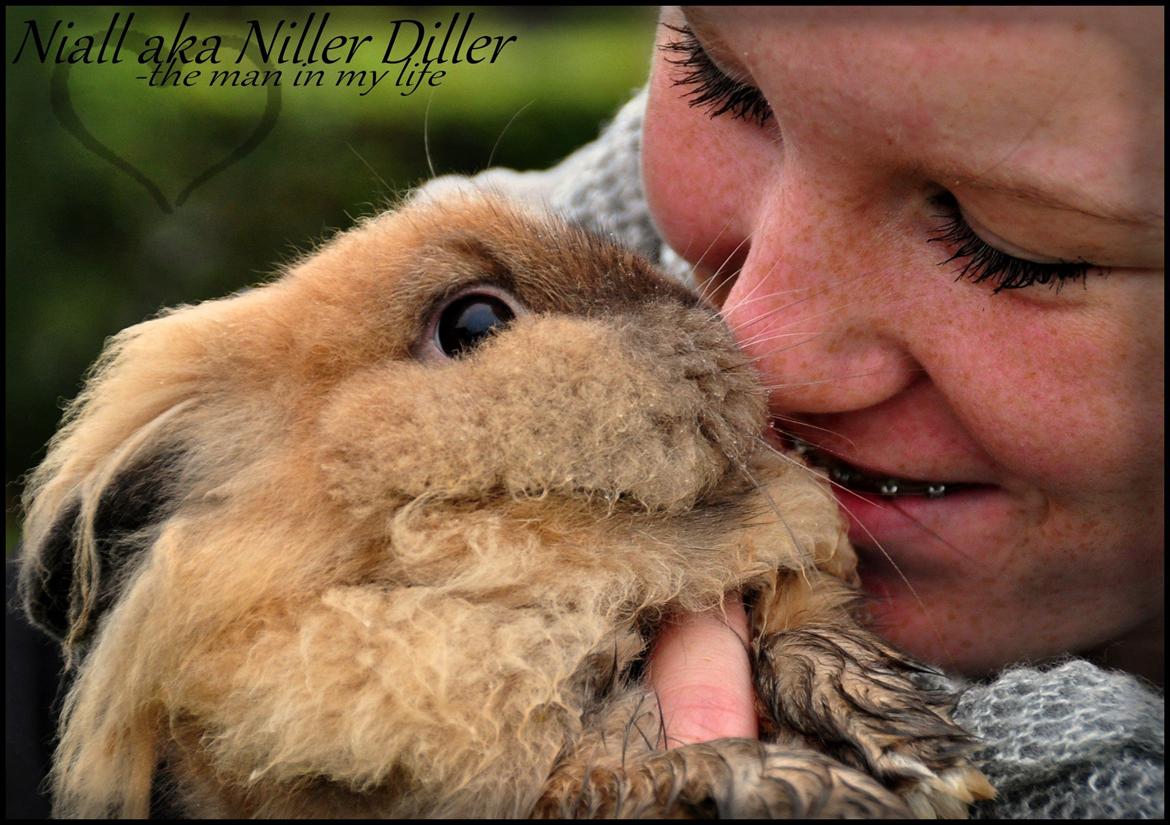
(1072, 741)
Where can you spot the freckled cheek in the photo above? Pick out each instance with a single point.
(1049, 409)
(697, 174)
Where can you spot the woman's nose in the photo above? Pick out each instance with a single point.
(820, 306)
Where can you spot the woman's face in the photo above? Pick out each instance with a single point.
(858, 155)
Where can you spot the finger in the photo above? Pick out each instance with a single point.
(699, 668)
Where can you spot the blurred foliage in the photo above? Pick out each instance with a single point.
(90, 252)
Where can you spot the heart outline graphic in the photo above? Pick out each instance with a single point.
(66, 115)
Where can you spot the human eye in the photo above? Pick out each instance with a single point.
(708, 87)
(977, 261)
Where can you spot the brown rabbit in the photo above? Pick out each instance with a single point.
(390, 535)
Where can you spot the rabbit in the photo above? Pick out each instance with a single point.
(391, 535)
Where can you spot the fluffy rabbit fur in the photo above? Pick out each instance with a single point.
(303, 565)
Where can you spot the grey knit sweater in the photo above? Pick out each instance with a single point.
(1070, 741)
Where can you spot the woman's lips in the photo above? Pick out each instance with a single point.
(927, 529)
(903, 525)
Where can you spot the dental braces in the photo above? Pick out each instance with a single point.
(860, 482)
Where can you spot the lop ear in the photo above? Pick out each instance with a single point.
(74, 574)
(46, 574)
(126, 453)
(107, 479)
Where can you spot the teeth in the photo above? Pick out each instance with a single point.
(855, 479)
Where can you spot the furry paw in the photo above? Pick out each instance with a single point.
(872, 708)
(728, 778)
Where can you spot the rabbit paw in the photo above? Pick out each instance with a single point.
(728, 778)
(873, 708)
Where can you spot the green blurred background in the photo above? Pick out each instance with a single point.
(89, 250)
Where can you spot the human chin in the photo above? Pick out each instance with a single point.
(936, 571)
(941, 621)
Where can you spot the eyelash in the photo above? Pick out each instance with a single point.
(708, 87)
(986, 263)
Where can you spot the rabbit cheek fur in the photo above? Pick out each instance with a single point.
(301, 571)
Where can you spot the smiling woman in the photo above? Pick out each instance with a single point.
(939, 234)
(920, 208)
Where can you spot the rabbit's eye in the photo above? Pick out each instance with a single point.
(465, 322)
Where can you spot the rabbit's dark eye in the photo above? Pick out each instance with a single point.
(468, 320)
(465, 320)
